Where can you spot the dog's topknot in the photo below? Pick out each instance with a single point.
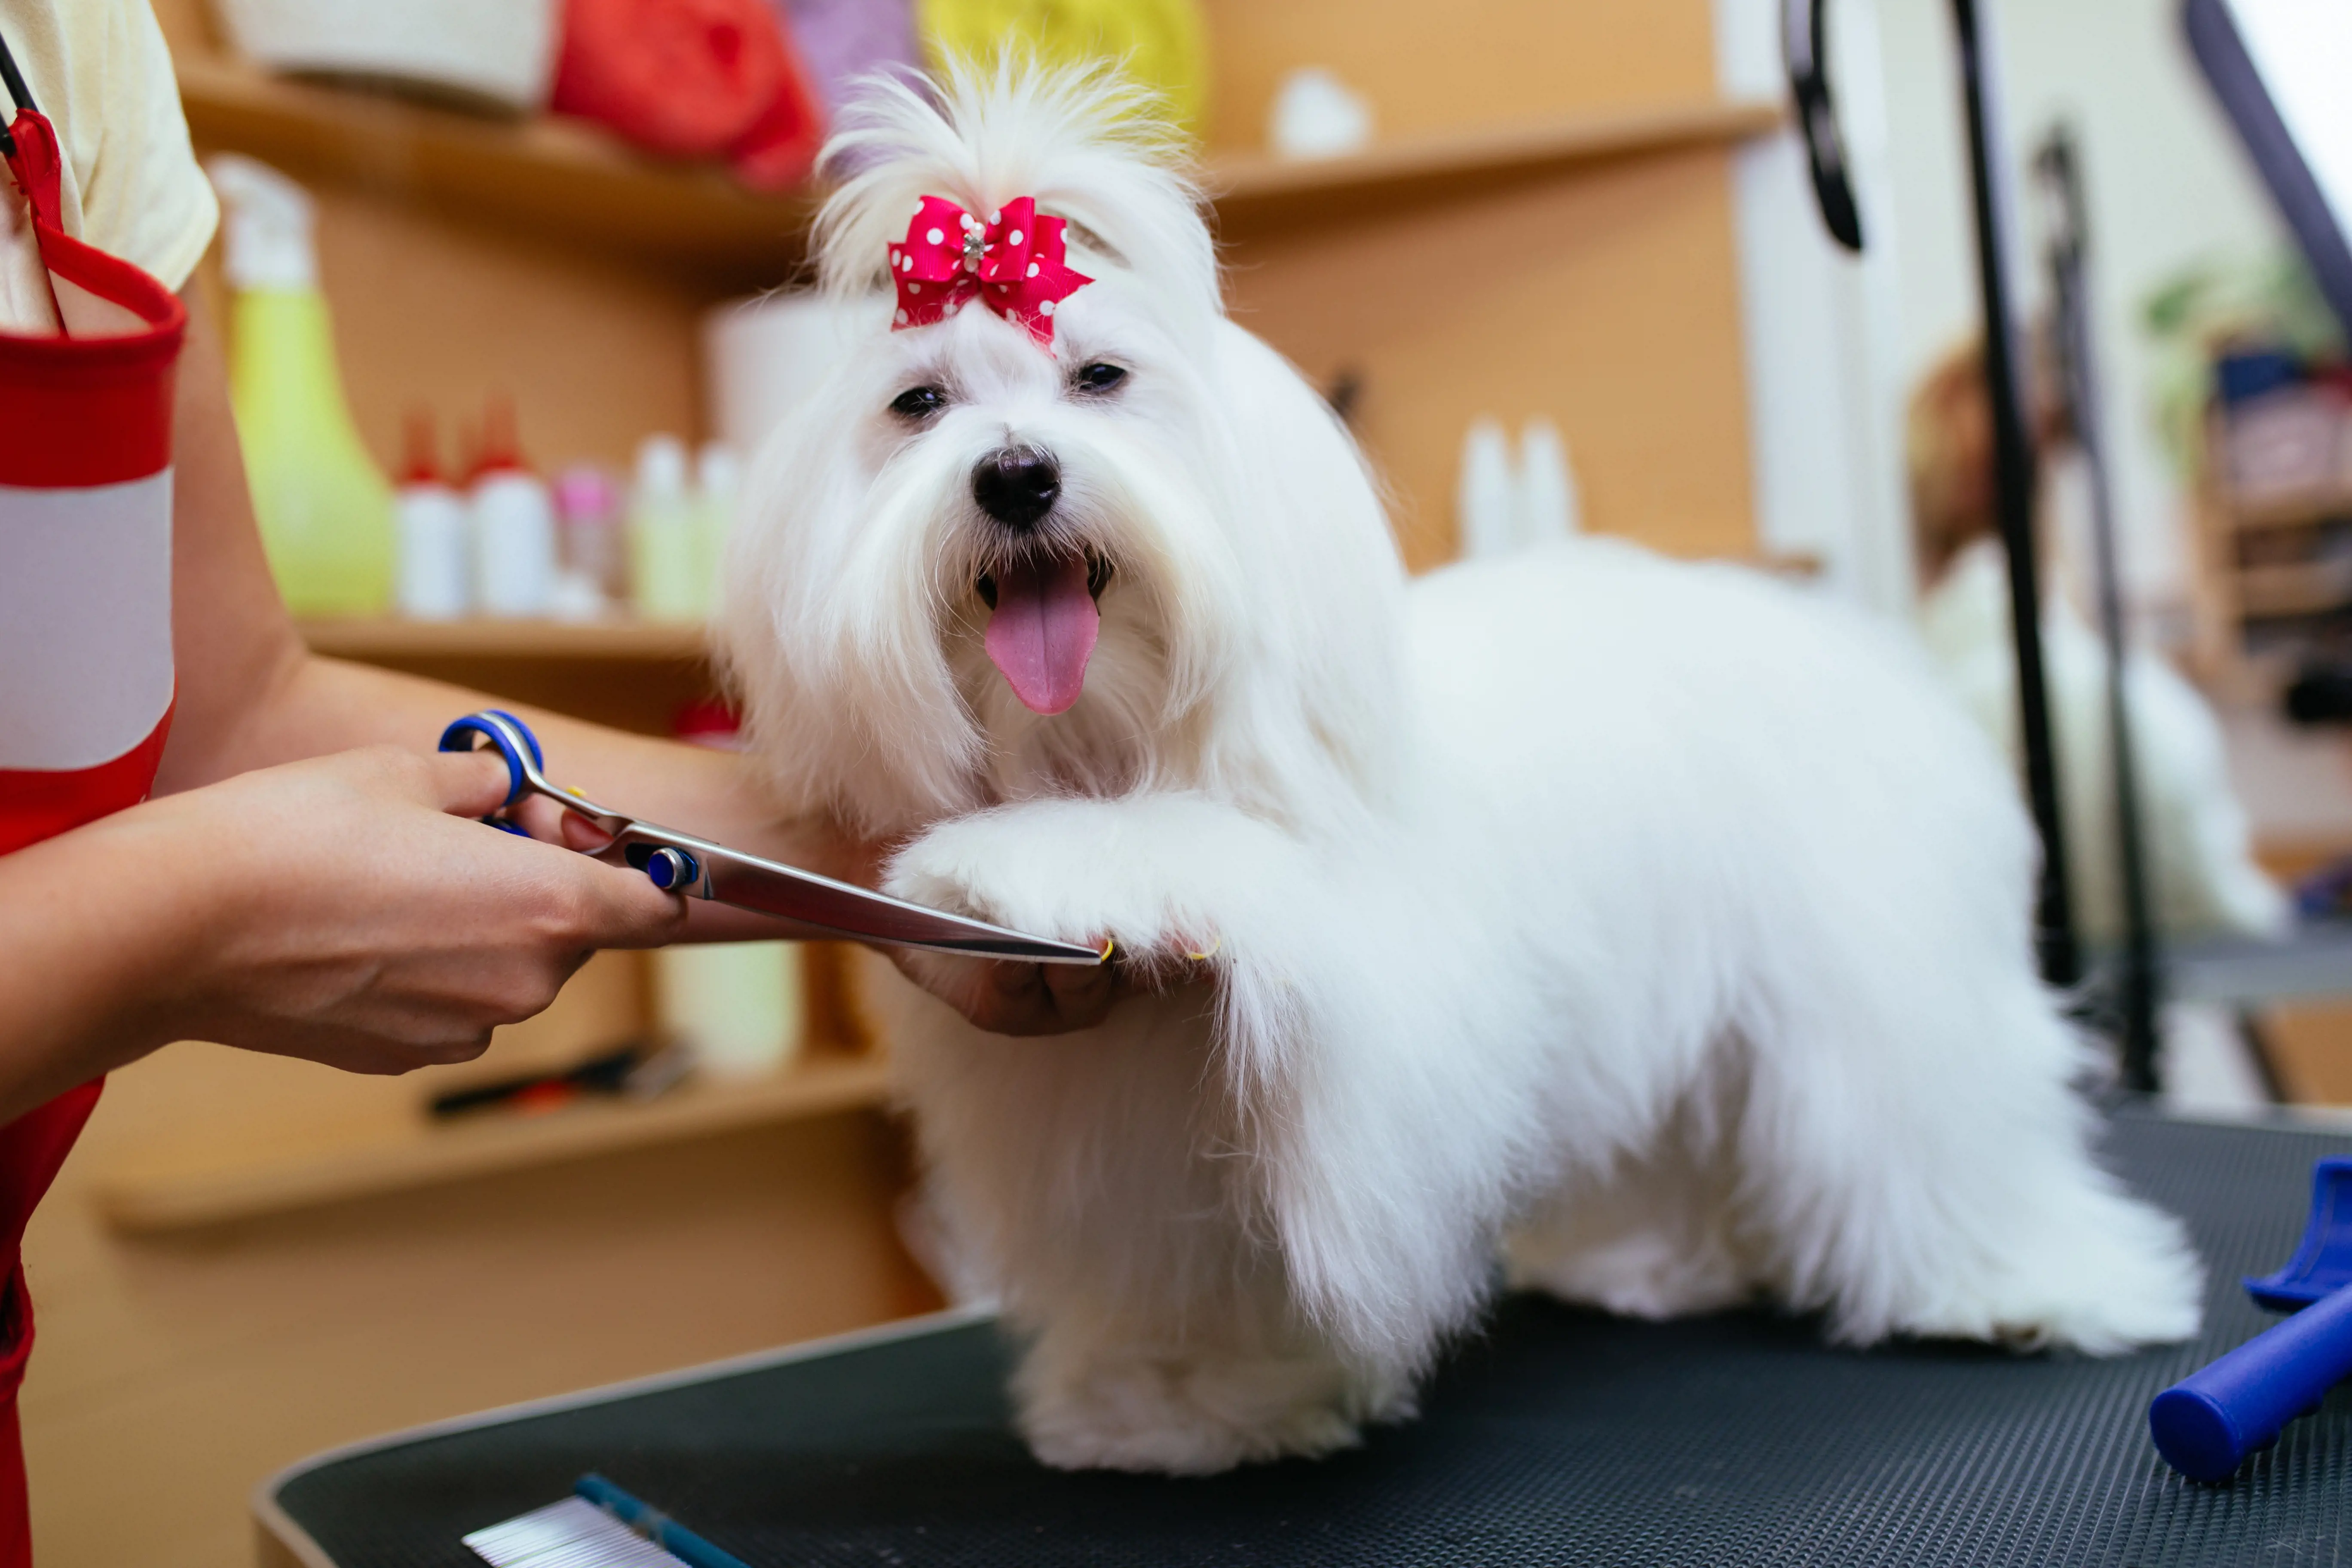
(1083, 141)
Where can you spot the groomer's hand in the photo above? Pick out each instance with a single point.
(355, 913)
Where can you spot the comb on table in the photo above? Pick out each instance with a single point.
(599, 1526)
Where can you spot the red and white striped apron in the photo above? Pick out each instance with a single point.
(85, 673)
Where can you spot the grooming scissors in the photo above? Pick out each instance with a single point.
(679, 862)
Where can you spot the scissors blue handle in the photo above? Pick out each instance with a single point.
(462, 735)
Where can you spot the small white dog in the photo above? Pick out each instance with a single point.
(1651, 925)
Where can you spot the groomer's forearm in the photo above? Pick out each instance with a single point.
(95, 924)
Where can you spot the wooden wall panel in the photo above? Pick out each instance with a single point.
(1607, 300)
(596, 354)
(1471, 62)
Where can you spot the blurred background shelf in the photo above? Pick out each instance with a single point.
(214, 1185)
(560, 176)
(2288, 511)
(1258, 195)
(564, 176)
(391, 638)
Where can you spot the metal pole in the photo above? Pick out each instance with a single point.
(2140, 978)
(2013, 468)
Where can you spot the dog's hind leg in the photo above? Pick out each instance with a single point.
(1653, 1237)
(1915, 1161)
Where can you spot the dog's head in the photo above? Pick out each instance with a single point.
(1022, 543)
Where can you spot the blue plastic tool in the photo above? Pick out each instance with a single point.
(2208, 1422)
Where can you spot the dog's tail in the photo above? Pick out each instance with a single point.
(1083, 141)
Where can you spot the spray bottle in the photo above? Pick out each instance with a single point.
(324, 507)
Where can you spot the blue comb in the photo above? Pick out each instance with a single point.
(2208, 1422)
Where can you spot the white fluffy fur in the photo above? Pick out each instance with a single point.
(1649, 924)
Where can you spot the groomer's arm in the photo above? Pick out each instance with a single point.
(251, 695)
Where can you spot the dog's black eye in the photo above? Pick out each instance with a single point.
(1100, 376)
(918, 403)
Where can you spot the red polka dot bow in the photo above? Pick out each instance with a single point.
(1013, 264)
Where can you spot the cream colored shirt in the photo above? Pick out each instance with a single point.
(100, 70)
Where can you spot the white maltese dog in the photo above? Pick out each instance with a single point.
(1655, 928)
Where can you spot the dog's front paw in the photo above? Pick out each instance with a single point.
(1082, 871)
(1195, 1414)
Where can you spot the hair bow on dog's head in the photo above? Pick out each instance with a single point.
(1013, 264)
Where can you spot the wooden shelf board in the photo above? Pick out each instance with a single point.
(2289, 512)
(244, 1182)
(390, 637)
(2303, 588)
(551, 174)
(1257, 194)
(560, 176)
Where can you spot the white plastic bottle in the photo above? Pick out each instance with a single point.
(665, 549)
(717, 482)
(741, 1005)
(436, 572)
(1549, 505)
(514, 526)
(1486, 504)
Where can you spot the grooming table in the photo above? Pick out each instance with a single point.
(1555, 1437)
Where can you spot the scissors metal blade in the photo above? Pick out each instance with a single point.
(771, 887)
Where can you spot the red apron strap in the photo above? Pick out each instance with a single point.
(35, 164)
(86, 674)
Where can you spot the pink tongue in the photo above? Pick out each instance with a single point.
(1043, 631)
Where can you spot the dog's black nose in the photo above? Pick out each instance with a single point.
(1016, 485)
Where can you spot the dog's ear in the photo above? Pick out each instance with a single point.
(1083, 142)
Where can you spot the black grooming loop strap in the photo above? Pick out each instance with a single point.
(18, 93)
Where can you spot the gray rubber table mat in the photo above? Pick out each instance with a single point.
(1556, 1437)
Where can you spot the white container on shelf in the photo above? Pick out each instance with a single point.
(514, 543)
(495, 54)
(737, 1004)
(717, 482)
(435, 568)
(760, 357)
(1316, 115)
(670, 578)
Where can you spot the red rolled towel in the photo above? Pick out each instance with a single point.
(781, 147)
(687, 78)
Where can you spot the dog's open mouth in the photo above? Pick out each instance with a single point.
(1042, 624)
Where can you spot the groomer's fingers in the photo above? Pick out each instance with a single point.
(620, 906)
(600, 905)
(463, 783)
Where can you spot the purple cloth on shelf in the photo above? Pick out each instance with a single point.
(841, 40)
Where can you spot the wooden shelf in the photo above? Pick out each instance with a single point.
(2299, 588)
(390, 637)
(566, 177)
(551, 176)
(1257, 194)
(2291, 511)
(241, 1181)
